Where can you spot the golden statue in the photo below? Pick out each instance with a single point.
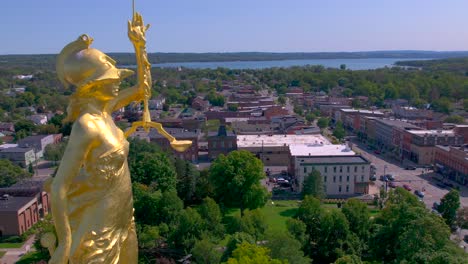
(91, 195)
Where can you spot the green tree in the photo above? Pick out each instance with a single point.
(254, 223)
(313, 185)
(188, 230)
(236, 179)
(248, 253)
(358, 216)
(234, 241)
(211, 215)
(54, 152)
(11, 173)
(187, 177)
(284, 247)
(27, 126)
(233, 107)
(449, 205)
(310, 117)
(206, 252)
(348, 259)
(282, 100)
(323, 122)
(146, 202)
(339, 131)
(442, 105)
(456, 119)
(154, 168)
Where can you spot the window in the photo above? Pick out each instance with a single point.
(362, 178)
(334, 169)
(334, 178)
(324, 178)
(326, 169)
(305, 169)
(355, 168)
(230, 144)
(354, 178)
(222, 144)
(362, 168)
(341, 168)
(347, 188)
(347, 169)
(339, 188)
(214, 144)
(347, 178)
(341, 178)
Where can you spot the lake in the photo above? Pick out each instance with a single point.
(352, 64)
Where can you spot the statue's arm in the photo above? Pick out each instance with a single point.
(82, 138)
(136, 34)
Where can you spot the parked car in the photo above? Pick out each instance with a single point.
(419, 193)
(373, 178)
(441, 185)
(390, 177)
(392, 185)
(377, 151)
(410, 168)
(435, 206)
(383, 178)
(407, 187)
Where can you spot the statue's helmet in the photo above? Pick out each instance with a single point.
(82, 66)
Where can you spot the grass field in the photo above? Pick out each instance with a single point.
(31, 257)
(277, 212)
(2, 253)
(10, 245)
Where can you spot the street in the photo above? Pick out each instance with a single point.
(420, 179)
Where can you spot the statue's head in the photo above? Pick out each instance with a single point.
(81, 66)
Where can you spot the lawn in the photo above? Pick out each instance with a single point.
(10, 245)
(31, 257)
(2, 253)
(277, 212)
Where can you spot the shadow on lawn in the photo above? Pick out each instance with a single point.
(289, 213)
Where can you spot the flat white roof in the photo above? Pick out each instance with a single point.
(279, 140)
(5, 146)
(364, 111)
(320, 150)
(431, 132)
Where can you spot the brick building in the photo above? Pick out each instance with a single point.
(221, 142)
(21, 208)
(452, 162)
(191, 154)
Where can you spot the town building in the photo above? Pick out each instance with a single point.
(191, 154)
(389, 134)
(21, 206)
(20, 156)
(273, 150)
(200, 104)
(418, 145)
(344, 174)
(221, 142)
(7, 128)
(351, 118)
(38, 143)
(408, 112)
(452, 162)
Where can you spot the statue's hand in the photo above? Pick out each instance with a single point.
(137, 30)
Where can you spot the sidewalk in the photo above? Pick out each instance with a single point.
(14, 254)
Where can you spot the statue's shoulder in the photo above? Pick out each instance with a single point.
(86, 125)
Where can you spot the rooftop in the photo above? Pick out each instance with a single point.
(336, 159)
(317, 150)
(363, 111)
(16, 150)
(178, 133)
(13, 204)
(432, 132)
(279, 140)
(396, 123)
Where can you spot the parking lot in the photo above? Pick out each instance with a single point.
(421, 179)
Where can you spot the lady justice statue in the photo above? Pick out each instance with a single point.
(91, 195)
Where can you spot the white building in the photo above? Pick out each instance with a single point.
(344, 173)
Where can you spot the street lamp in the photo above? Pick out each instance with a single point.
(385, 177)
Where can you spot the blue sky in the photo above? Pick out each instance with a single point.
(46, 26)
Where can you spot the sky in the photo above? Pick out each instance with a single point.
(46, 26)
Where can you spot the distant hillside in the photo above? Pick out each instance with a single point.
(48, 60)
(459, 65)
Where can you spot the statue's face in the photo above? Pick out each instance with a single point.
(108, 90)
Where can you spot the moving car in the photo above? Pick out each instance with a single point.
(390, 177)
(392, 185)
(410, 168)
(383, 178)
(407, 187)
(419, 193)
